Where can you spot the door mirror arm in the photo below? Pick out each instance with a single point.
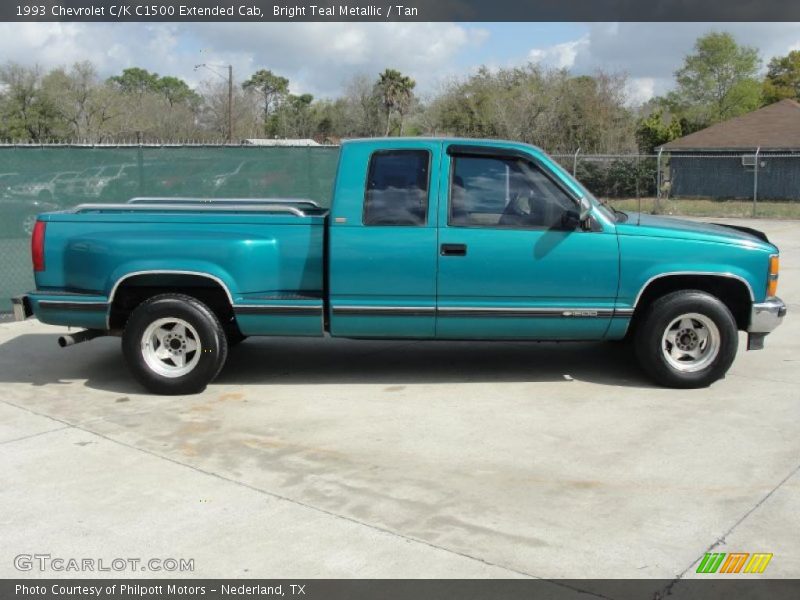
(585, 207)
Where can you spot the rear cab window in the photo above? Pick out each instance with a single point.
(397, 188)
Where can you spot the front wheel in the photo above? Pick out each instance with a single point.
(686, 339)
(174, 344)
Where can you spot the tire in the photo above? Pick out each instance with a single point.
(174, 345)
(686, 339)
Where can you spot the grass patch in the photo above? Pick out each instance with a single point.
(711, 208)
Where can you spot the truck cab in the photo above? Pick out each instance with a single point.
(463, 239)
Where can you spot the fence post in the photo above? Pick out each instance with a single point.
(638, 172)
(755, 181)
(140, 164)
(657, 207)
(575, 163)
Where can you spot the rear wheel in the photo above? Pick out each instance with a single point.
(686, 339)
(174, 344)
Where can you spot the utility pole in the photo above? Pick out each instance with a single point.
(230, 104)
(211, 68)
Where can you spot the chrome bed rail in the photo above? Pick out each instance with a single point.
(192, 207)
(204, 201)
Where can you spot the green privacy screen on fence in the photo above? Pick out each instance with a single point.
(35, 179)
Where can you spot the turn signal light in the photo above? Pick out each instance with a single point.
(772, 279)
(37, 246)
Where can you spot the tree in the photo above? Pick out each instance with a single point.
(176, 91)
(396, 92)
(653, 131)
(358, 112)
(135, 80)
(783, 78)
(213, 112)
(26, 112)
(718, 81)
(272, 88)
(546, 107)
(82, 103)
(294, 118)
(139, 81)
(591, 113)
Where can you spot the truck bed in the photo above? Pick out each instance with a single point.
(266, 255)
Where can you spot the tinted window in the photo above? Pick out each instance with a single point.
(504, 192)
(397, 188)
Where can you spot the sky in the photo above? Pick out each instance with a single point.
(319, 58)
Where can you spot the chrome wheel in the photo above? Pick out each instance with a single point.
(171, 347)
(690, 342)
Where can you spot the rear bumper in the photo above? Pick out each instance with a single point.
(22, 308)
(764, 318)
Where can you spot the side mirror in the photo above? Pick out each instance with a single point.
(570, 220)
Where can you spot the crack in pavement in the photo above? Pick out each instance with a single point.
(721, 539)
(33, 435)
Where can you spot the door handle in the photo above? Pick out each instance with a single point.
(454, 250)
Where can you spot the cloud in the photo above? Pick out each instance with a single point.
(559, 56)
(320, 57)
(651, 52)
(657, 49)
(317, 57)
(640, 89)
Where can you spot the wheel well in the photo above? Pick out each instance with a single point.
(732, 292)
(138, 288)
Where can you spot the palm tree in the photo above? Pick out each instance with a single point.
(396, 92)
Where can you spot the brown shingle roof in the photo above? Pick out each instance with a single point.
(774, 127)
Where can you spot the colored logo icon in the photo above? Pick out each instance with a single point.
(734, 562)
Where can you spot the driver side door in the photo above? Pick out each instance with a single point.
(512, 263)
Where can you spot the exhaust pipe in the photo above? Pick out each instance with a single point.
(80, 336)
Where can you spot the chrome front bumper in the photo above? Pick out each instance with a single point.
(764, 318)
(22, 308)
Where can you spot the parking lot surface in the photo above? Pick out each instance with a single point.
(339, 458)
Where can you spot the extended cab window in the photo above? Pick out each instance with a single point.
(489, 191)
(397, 188)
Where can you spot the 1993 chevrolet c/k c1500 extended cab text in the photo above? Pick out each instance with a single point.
(441, 239)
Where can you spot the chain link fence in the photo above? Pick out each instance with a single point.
(41, 178)
(755, 184)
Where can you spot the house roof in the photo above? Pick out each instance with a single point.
(774, 127)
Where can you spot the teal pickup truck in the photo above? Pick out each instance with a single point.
(440, 239)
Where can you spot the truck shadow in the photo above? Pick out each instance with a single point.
(414, 362)
(35, 359)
